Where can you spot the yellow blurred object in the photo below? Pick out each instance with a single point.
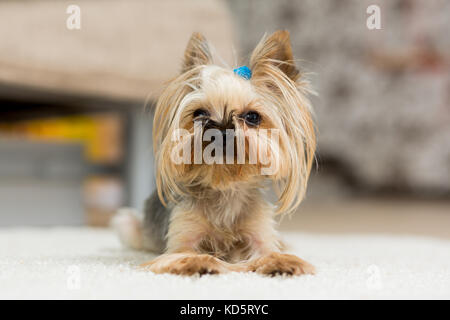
(100, 134)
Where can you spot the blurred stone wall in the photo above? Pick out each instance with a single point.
(383, 110)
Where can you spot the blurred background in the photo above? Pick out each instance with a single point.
(76, 105)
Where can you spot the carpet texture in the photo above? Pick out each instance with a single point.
(82, 263)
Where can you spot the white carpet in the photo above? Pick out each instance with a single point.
(67, 263)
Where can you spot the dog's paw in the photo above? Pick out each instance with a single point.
(186, 264)
(281, 264)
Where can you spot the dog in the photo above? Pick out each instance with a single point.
(211, 217)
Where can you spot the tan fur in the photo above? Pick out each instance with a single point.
(206, 226)
(278, 263)
(197, 52)
(189, 264)
(220, 219)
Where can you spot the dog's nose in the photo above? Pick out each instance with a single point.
(226, 129)
(227, 134)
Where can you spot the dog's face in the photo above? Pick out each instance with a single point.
(223, 120)
(215, 129)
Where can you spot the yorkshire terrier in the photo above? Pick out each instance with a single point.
(210, 213)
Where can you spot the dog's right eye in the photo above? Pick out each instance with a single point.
(200, 113)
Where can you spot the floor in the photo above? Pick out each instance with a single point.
(372, 216)
(362, 250)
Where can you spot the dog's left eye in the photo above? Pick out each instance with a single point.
(200, 113)
(252, 118)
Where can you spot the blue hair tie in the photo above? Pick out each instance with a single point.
(243, 72)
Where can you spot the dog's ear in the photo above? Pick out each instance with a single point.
(275, 50)
(197, 52)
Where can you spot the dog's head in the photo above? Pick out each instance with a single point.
(215, 128)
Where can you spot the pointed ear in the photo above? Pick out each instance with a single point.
(197, 52)
(274, 50)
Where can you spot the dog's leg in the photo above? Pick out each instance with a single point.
(276, 263)
(189, 264)
(183, 255)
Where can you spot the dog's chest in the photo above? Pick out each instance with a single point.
(231, 243)
(227, 248)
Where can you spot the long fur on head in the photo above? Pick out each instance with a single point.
(279, 93)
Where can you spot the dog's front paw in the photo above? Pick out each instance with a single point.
(186, 264)
(281, 264)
